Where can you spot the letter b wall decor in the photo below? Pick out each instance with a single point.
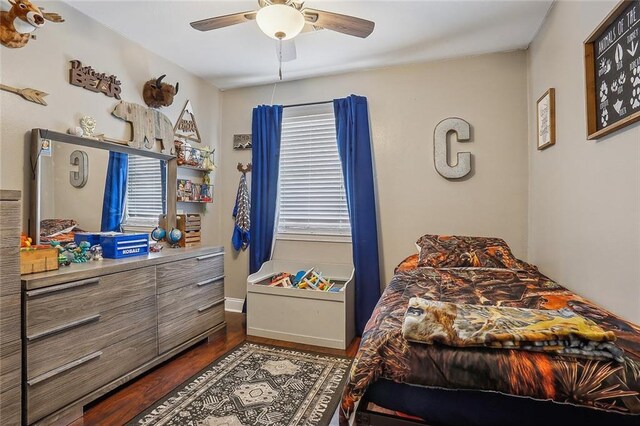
(440, 152)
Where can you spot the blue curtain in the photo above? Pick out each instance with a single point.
(115, 191)
(354, 147)
(265, 141)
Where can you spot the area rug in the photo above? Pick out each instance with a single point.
(255, 385)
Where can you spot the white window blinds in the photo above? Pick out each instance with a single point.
(312, 198)
(145, 194)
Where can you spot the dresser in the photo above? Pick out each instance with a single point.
(91, 327)
(10, 337)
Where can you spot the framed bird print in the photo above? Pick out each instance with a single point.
(546, 119)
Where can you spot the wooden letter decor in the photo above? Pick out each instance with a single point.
(186, 126)
(462, 129)
(88, 78)
(612, 66)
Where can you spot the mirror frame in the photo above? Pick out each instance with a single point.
(38, 135)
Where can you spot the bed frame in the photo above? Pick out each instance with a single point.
(364, 417)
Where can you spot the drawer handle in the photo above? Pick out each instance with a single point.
(54, 289)
(64, 327)
(209, 256)
(211, 305)
(211, 281)
(63, 368)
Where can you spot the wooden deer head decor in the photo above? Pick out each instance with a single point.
(17, 24)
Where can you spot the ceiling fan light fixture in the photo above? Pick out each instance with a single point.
(280, 21)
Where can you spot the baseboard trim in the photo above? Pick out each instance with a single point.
(233, 305)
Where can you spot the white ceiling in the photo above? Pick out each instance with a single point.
(241, 55)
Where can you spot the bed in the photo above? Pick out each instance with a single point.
(60, 230)
(444, 385)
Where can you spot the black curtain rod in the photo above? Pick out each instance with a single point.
(308, 104)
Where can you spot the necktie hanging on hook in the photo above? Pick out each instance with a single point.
(241, 212)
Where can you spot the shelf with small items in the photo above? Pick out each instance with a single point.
(191, 192)
(195, 159)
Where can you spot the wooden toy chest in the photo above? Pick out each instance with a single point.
(304, 316)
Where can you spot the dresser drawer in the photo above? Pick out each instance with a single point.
(10, 360)
(188, 311)
(9, 270)
(10, 400)
(55, 307)
(10, 317)
(50, 351)
(10, 217)
(53, 390)
(172, 276)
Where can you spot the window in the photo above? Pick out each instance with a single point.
(311, 198)
(145, 193)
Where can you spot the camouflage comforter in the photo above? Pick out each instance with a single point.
(384, 353)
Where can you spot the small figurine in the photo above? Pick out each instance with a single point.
(25, 242)
(207, 155)
(96, 252)
(78, 252)
(88, 125)
(64, 257)
(75, 131)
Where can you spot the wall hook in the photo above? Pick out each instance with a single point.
(244, 169)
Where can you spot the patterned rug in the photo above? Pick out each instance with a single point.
(255, 385)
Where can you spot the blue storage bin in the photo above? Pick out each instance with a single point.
(92, 237)
(117, 246)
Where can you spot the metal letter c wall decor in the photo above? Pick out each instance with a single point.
(440, 154)
(80, 159)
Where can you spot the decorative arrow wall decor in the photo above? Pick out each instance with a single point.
(32, 95)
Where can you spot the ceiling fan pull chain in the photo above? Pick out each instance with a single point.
(280, 59)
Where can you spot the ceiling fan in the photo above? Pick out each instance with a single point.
(285, 19)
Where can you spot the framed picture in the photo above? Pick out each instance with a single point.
(546, 112)
(242, 141)
(612, 66)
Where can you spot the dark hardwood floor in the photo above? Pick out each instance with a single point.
(126, 402)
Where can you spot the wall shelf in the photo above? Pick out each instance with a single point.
(195, 202)
(200, 169)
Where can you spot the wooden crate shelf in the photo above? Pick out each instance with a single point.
(190, 225)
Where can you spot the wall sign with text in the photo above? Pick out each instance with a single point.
(612, 63)
(88, 78)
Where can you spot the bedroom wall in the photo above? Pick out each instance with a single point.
(44, 64)
(584, 196)
(406, 103)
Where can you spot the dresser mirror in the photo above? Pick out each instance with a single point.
(71, 174)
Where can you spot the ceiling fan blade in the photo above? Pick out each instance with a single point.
(341, 23)
(223, 21)
(310, 28)
(289, 52)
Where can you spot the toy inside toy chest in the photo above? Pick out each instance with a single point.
(116, 245)
(301, 313)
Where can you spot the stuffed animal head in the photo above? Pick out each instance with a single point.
(19, 19)
(27, 12)
(157, 94)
